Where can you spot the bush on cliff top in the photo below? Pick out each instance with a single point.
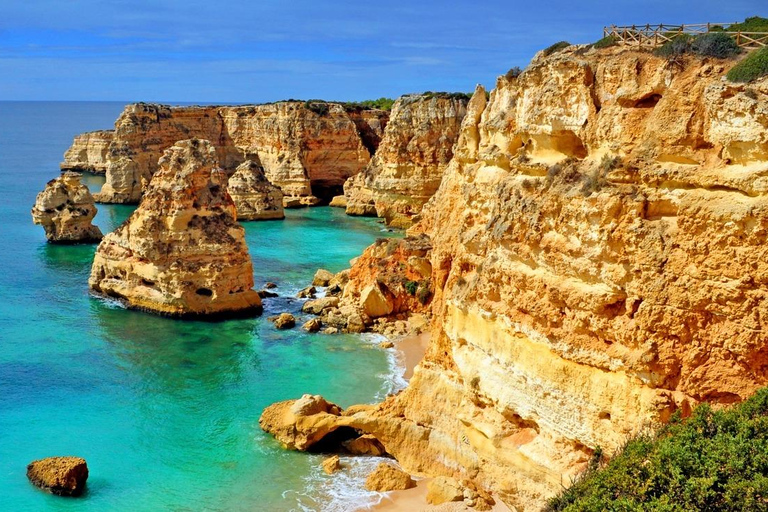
(606, 42)
(713, 44)
(754, 66)
(560, 45)
(714, 460)
(753, 24)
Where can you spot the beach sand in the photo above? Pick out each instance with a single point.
(412, 348)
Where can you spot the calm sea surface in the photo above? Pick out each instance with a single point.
(165, 411)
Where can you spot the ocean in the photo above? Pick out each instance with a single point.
(164, 411)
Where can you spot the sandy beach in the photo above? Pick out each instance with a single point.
(412, 348)
(415, 500)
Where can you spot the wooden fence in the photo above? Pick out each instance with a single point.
(656, 35)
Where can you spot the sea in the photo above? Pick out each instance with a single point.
(164, 411)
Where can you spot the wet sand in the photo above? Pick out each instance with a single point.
(412, 348)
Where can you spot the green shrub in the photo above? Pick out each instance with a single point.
(715, 44)
(424, 293)
(513, 73)
(411, 287)
(556, 48)
(753, 24)
(714, 460)
(751, 68)
(675, 47)
(606, 42)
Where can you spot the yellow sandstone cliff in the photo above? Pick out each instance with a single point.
(181, 253)
(306, 149)
(599, 261)
(409, 164)
(65, 209)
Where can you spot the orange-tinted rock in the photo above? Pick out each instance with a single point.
(387, 477)
(181, 253)
(88, 152)
(254, 196)
(65, 209)
(64, 476)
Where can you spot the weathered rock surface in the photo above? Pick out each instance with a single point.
(332, 464)
(64, 476)
(254, 196)
(409, 164)
(306, 150)
(322, 277)
(284, 321)
(316, 306)
(597, 261)
(313, 325)
(65, 209)
(387, 477)
(88, 152)
(443, 489)
(181, 253)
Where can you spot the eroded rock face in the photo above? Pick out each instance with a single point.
(598, 262)
(64, 476)
(65, 209)
(88, 152)
(254, 196)
(181, 253)
(307, 150)
(387, 477)
(409, 164)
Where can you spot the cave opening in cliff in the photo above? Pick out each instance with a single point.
(332, 442)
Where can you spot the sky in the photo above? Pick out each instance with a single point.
(219, 51)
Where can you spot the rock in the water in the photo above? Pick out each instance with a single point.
(365, 445)
(65, 209)
(181, 253)
(254, 196)
(89, 152)
(386, 344)
(284, 321)
(322, 277)
(266, 294)
(317, 306)
(338, 202)
(332, 464)
(284, 420)
(387, 477)
(313, 325)
(64, 476)
(269, 285)
(443, 489)
(307, 293)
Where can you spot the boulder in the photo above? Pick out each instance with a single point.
(443, 489)
(312, 325)
(284, 321)
(65, 209)
(269, 285)
(374, 302)
(338, 202)
(365, 445)
(332, 464)
(322, 277)
(317, 306)
(386, 344)
(307, 293)
(298, 424)
(64, 476)
(254, 196)
(387, 477)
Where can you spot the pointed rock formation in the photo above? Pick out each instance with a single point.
(254, 196)
(65, 209)
(181, 253)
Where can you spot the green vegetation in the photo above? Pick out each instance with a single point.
(411, 287)
(753, 24)
(713, 44)
(556, 48)
(606, 42)
(447, 95)
(380, 104)
(714, 460)
(514, 73)
(754, 66)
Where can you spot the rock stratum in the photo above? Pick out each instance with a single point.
(254, 196)
(598, 262)
(65, 209)
(181, 253)
(307, 149)
(408, 166)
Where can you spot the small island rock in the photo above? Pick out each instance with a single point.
(64, 476)
(65, 209)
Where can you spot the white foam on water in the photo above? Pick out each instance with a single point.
(394, 379)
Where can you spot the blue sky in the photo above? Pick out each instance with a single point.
(255, 51)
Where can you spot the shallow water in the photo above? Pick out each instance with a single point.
(166, 412)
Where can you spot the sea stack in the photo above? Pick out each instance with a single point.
(65, 209)
(254, 196)
(181, 253)
(63, 476)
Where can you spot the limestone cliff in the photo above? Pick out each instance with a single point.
(181, 253)
(307, 149)
(254, 196)
(88, 152)
(409, 164)
(65, 209)
(599, 262)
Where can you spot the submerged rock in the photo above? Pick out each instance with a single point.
(254, 196)
(332, 464)
(64, 476)
(181, 253)
(65, 209)
(313, 325)
(387, 477)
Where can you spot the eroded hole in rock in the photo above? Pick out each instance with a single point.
(647, 101)
(605, 416)
(205, 292)
(332, 442)
(147, 282)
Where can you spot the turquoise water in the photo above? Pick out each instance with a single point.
(166, 412)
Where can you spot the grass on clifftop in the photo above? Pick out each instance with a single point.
(753, 24)
(713, 44)
(714, 460)
(754, 66)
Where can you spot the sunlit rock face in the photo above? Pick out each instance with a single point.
(181, 253)
(306, 149)
(598, 257)
(409, 164)
(65, 209)
(254, 196)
